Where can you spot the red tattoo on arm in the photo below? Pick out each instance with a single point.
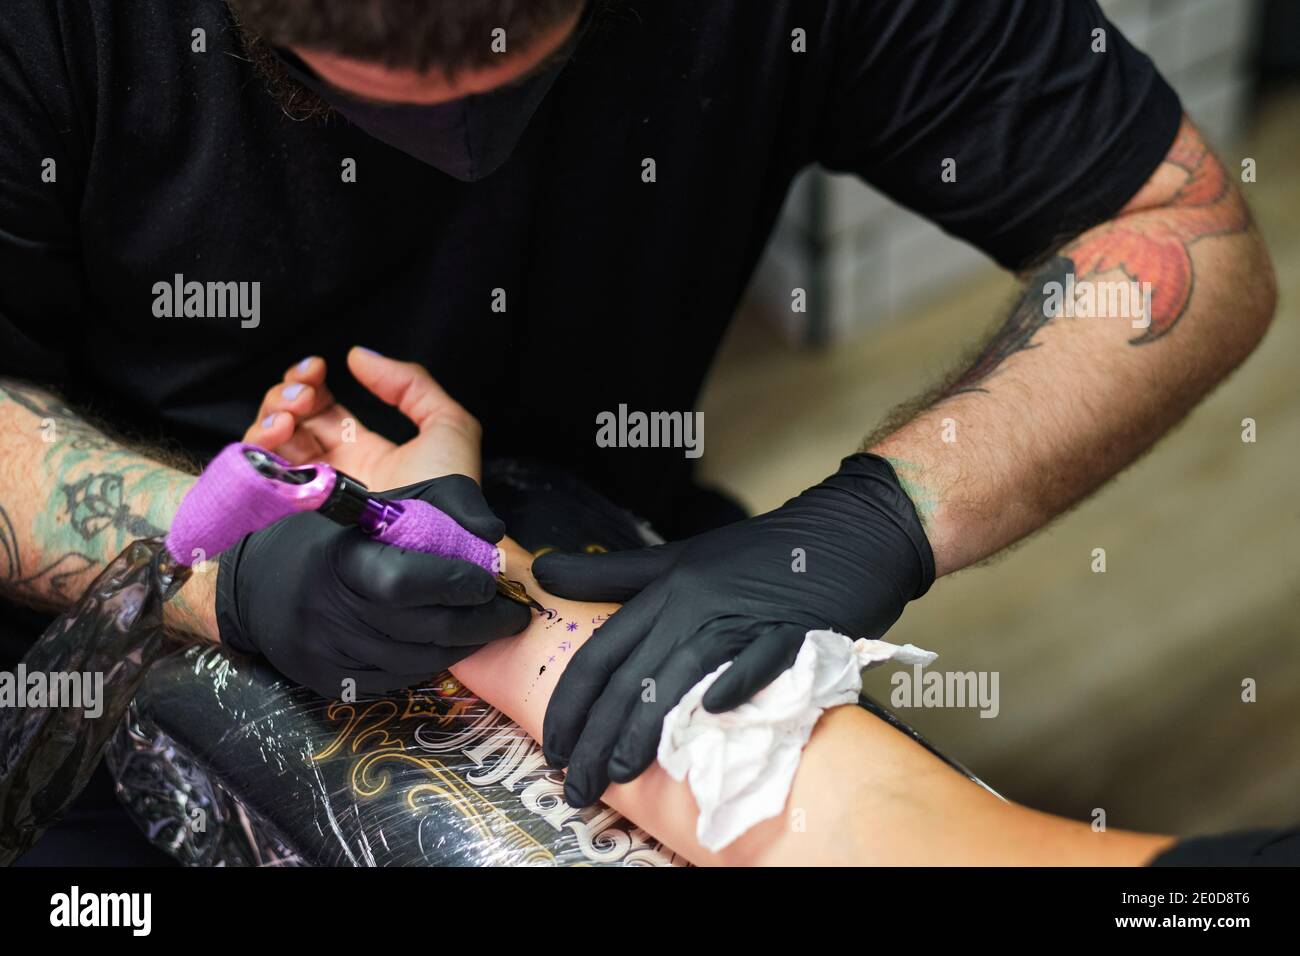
(1153, 245)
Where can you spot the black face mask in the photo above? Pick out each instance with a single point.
(468, 138)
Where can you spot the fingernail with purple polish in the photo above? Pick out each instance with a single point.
(269, 420)
(291, 392)
(305, 364)
(369, 351)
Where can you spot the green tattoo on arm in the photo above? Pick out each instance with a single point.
(71, 498)
(910, 477)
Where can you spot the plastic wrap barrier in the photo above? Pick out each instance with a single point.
(223, 761)
(47, 754)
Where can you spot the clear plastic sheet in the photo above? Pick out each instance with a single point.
(47, 754)
(224, 762)
(182, 808)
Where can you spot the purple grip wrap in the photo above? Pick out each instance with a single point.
(230, 500)
(422, 527)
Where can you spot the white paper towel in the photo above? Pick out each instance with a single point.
(740, 764)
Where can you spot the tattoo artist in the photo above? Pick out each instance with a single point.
(554, 207)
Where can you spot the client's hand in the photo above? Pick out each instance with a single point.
(300, 421)
(324, 603)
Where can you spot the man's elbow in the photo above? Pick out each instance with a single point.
(1251, 297)
(1266, 294)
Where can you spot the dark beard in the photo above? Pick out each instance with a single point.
(301, 104)
(295, 100)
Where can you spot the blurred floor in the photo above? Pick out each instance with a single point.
(1119, 690)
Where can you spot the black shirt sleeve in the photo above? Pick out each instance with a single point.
(43, 150)
(1049, 137)
(1250, 848)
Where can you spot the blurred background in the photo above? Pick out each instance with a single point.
(1119, 690)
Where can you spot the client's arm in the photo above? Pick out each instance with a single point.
(864, 794)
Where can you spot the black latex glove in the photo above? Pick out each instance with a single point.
(731, 594)
(323, 602)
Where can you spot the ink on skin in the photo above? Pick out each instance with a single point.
(540, 672)
(563, 649)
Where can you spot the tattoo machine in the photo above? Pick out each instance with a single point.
(246, 488)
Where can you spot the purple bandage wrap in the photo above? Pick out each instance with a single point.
(422, 527)
(232, 499)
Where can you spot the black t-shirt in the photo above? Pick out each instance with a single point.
(174, 162)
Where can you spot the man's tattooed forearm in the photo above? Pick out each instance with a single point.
(53, 584)
(90, 496)
(95, 503)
